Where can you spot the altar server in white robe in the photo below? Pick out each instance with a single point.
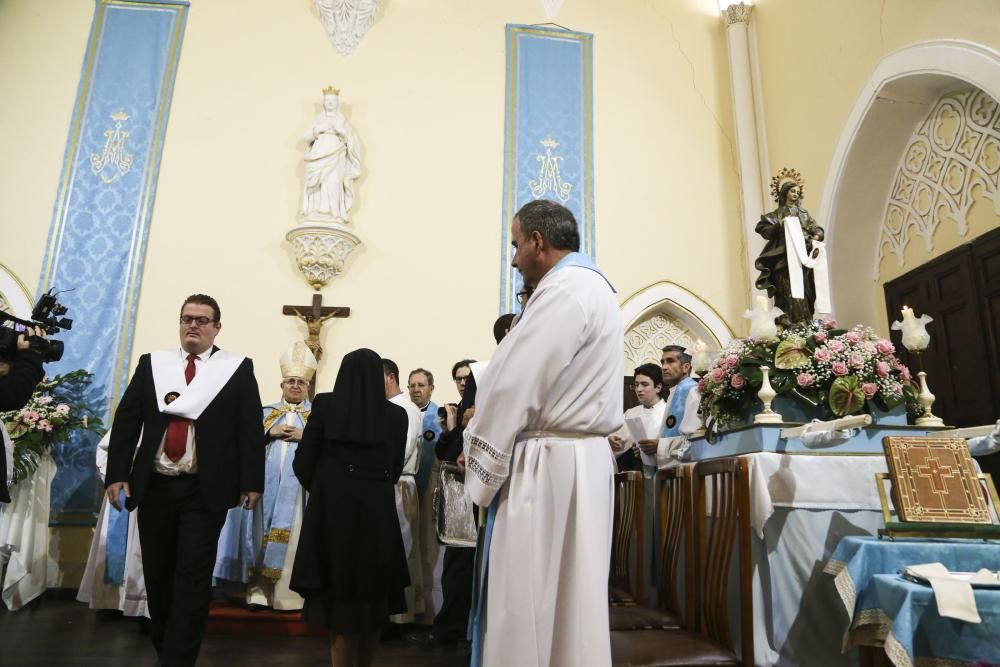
(112, 578)
(258, 548)
(646, 419)
(407, 500)
(537, 454)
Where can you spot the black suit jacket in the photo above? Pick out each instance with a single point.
(227, 438)
(15, 390)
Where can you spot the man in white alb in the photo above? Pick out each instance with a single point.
(537, 454)
(407, 501)
(682, 398)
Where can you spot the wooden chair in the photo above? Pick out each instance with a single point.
(673, 499)
(721, 525)
(627, 516)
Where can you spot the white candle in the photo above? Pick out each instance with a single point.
(699, 360)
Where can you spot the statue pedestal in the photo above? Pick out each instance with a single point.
(321, 249)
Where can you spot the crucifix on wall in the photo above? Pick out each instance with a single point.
(314, 316)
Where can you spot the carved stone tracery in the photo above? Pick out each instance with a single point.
(645, 339)
(952, 159)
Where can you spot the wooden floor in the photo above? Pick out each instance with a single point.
(54, 631)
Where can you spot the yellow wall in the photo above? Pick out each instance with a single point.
(425, 92)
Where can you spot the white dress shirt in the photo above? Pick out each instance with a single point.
(188, 463)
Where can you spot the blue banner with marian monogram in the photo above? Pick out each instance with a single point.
(97, 239)
(548, 134)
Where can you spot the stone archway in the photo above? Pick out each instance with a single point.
(14, 296)
(667, 314)
(897, 98)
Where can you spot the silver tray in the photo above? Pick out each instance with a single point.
(454, 512)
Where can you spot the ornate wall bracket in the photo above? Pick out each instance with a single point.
(346, 21)
(321, 249)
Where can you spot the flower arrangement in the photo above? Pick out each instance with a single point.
(835, 372)
(56, 409)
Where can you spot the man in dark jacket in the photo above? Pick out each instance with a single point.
(200, 454)
(16, 386)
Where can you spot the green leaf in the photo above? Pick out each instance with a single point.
(752, 374)
(846, 396)
(791, 353)
(782, 382)
(891, 402)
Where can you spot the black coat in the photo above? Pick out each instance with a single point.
(15, 390)
(350, 554)
(451, 443)
(228, 438)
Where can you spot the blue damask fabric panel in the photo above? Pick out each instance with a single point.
(548, 134)
(97, 238)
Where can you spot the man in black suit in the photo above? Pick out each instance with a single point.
(201, 452)
(18, 378)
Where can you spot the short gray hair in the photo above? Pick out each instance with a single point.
(681, 350)
(553, 221)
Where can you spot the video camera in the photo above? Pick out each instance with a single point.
(46, 315)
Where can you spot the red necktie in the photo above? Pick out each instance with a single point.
(177, 428)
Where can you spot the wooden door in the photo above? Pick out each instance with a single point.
(961, 291)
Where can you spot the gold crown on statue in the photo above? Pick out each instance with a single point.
(298, 362)
(787, 175)
(330, 90)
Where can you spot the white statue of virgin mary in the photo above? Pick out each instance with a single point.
(332, 162)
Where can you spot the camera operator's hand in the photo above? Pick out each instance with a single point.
(452, 419)
(22, 340)
(468, 415)
(113, 492)
(460, 461)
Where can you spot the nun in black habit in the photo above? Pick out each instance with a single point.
(350, 565)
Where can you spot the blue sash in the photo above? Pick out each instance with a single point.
(675, 415)
(432, 427)
(114, 566)
(281, 489)
(477, 617)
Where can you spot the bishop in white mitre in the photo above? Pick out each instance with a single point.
(537, 454)
(258, 548)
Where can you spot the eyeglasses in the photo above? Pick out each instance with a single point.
(296, 382)
(200, 321)
(461, 379)
(524, 295)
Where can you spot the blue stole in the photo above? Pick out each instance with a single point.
(582, 261)
(117, 543)
(281, 488)
(431, 427)
(477, 617)
(675, 413)
(239, 557)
